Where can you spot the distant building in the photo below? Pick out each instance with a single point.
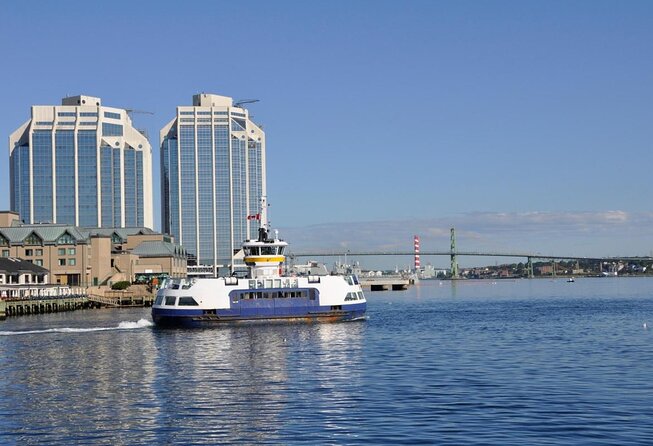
(212, 178)
(91, 256)
(545, 270)
(81, 164)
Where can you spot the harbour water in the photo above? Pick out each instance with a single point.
(477, 362)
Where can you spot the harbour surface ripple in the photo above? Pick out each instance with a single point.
(506, 362)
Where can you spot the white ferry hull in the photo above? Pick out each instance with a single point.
(264, 295)
(203, 302)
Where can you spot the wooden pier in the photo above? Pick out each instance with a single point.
(120, 299)
(19, 307)
(32, 299)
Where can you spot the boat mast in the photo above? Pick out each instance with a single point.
(264, 213)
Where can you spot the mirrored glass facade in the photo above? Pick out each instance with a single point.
(68, 166)
(213, 177)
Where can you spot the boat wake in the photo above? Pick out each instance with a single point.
(125, 325)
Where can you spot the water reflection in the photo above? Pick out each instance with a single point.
(245, 381)
(547, 361)
(57, 384)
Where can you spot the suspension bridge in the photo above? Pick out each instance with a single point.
(453, 254)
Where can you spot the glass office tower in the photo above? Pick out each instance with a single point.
(81, 164)
(212, 178)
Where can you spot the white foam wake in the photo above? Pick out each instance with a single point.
(125, 325)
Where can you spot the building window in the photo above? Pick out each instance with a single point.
(32, 239)
(61, 251)
(111, 129)
(62, 262)
(72, 262)
(112, 115)
(5, 253)
(38, 262)
(38, 252)
(29, 252)
(72, 251)
(65, 239)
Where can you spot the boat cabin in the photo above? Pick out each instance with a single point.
(263, 250)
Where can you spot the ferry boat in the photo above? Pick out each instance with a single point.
(265, 294)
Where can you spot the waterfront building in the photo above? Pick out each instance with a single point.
(79, 256)
(212, 179)
(82, 164)
(15, 271)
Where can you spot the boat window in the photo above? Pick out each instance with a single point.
(158, 300)
(361, 296)
(255, 250)
(355, 279)
(268, 250)
(281, 249)
(187, 301)
(170, 300)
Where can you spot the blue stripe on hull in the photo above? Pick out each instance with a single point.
(176, 317)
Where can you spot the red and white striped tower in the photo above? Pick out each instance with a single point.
(417, 265)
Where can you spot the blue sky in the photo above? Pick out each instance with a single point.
(526, 124)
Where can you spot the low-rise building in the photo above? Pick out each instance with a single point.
(15, 271)
(91, 256)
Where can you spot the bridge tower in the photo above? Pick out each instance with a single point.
(530, 268)
(416, 246)
(454, 260)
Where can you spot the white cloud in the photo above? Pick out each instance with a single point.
(608, 233)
